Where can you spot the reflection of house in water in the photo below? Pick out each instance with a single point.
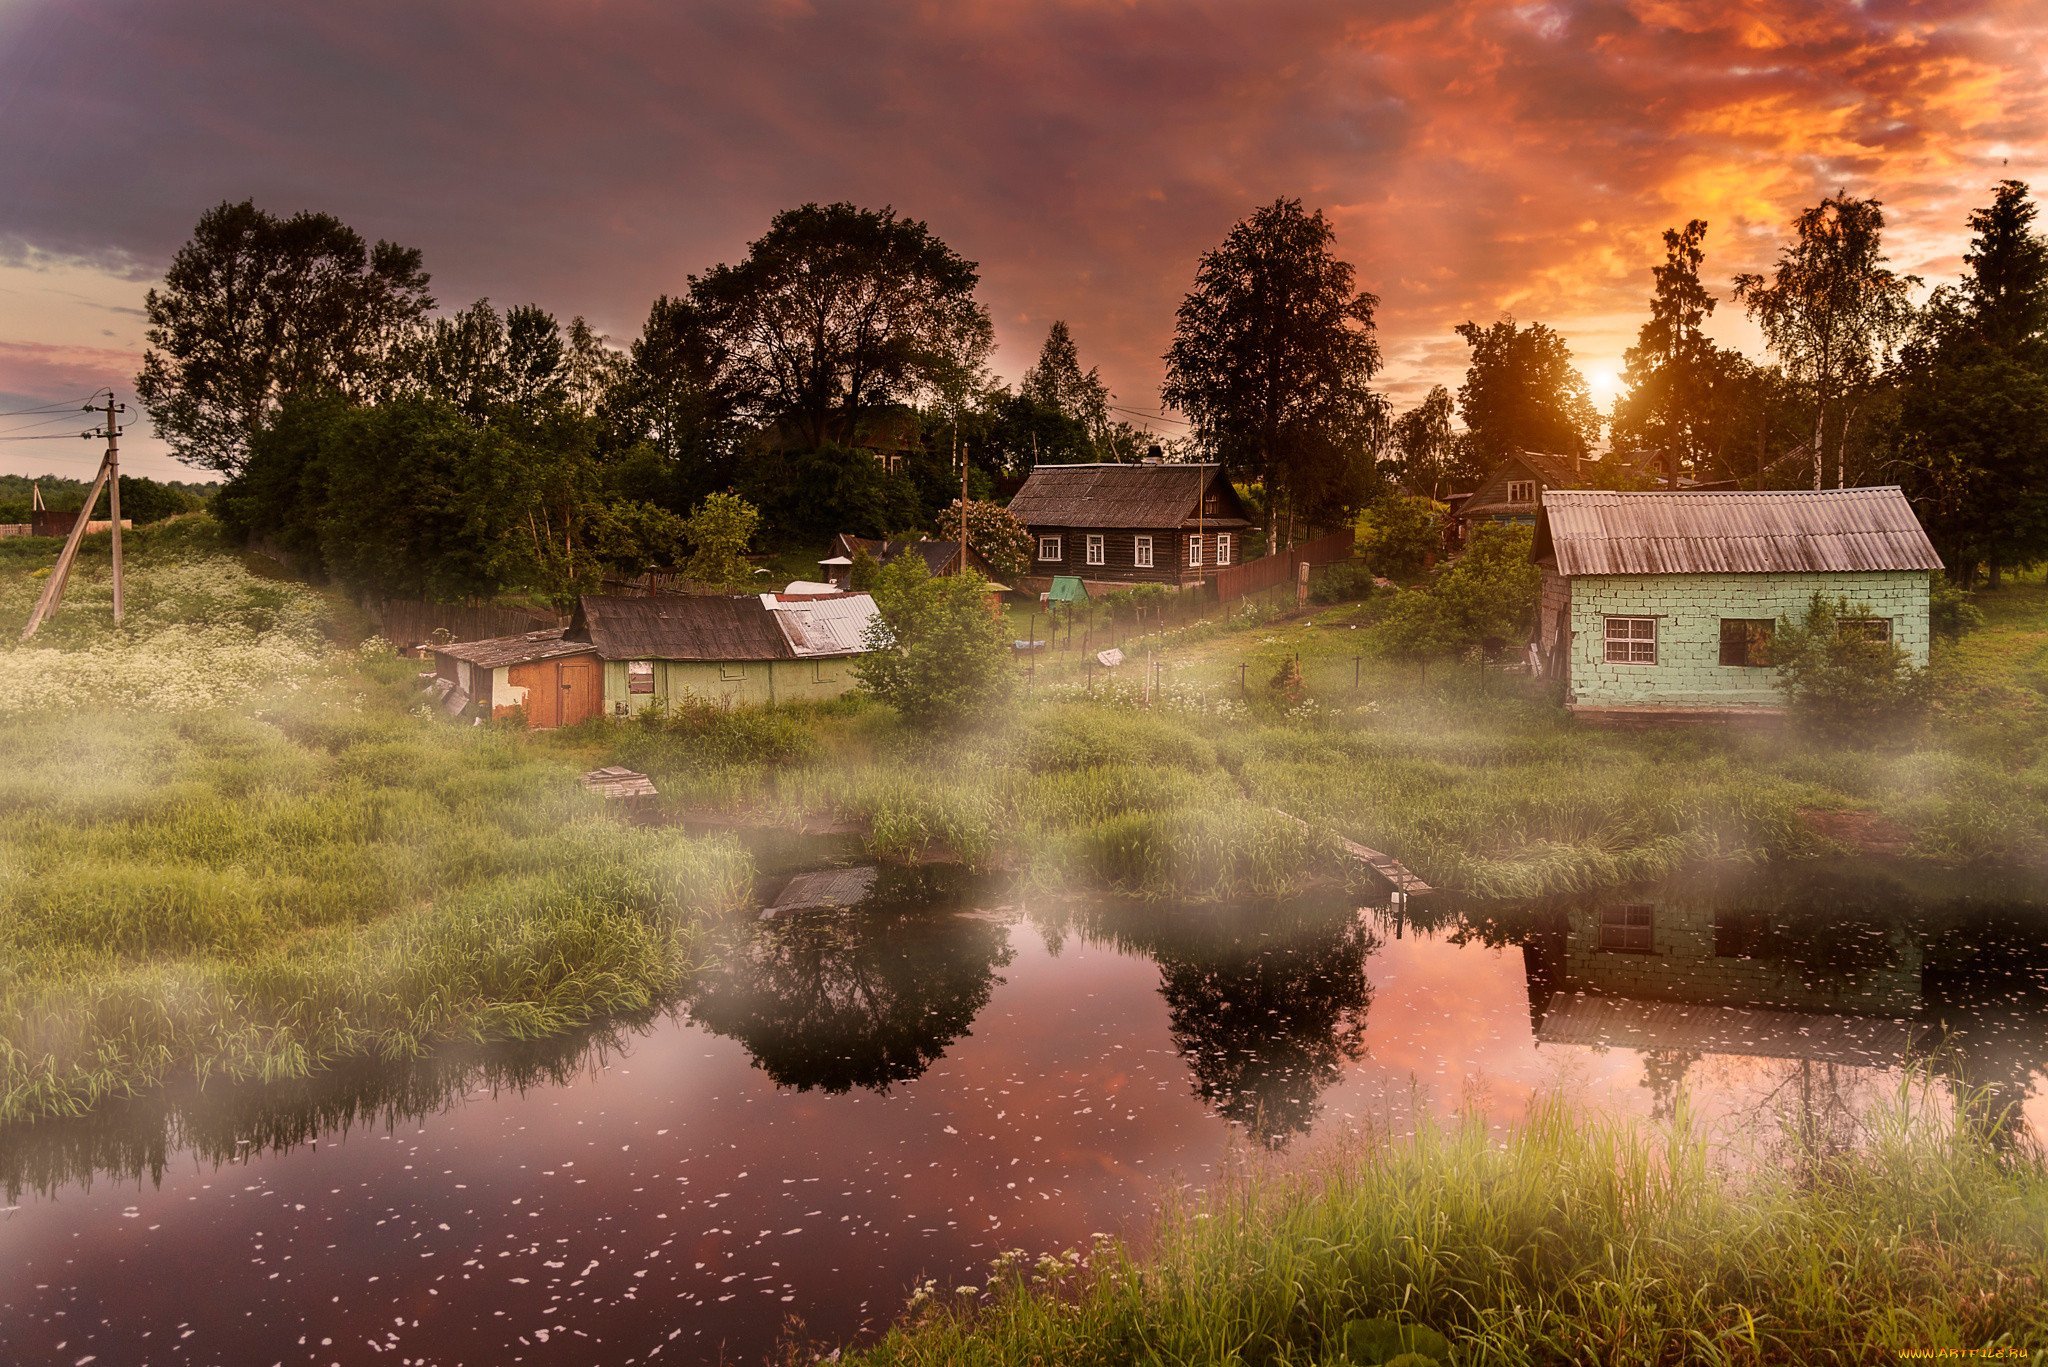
(1823, 972)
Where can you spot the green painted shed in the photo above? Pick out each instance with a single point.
(1664, 601)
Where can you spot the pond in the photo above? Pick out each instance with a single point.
(891, 1075)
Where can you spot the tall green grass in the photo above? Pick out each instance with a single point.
(1572, 1241)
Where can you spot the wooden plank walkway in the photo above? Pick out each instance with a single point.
(1398, 875)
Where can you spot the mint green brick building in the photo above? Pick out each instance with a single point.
(1665, 601)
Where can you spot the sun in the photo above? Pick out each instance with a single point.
(1603, 382)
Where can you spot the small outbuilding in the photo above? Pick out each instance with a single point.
(940, 557)
(1665, 602)
(620, 655)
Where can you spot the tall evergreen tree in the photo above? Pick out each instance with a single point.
(1671, 371)
(1058, 383)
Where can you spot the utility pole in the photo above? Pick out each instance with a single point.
(110, 467)
(963, 510)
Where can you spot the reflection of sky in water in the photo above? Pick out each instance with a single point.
(671, 1198)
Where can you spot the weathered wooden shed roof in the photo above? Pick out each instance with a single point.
(497, 651)
(1138, 496)
(668, 627)
(763, 626)
(1807, 531)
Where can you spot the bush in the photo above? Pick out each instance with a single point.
(993, 533)
(1485, 600)
(937, 652)
(718, 530)
(1124, 605)
(1402, 532)
(1340, 583)
(1842, 677)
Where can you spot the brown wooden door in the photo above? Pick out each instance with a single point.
(579, 693)
(543, 692)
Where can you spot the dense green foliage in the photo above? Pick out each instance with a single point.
(719, 530)
(255, 310)
(1271, 358)
(1523, 392)
(1571, 1241)
(1843, 677)
(1402, 531)
(1485, 599)
(937, 653)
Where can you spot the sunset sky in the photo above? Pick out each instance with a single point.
(1477, 158)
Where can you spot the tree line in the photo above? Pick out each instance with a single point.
(837, 374)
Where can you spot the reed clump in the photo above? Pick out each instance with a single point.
(1571, 1241)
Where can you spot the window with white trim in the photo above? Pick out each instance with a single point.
(1141, 552)
(1195, 550)
(1631, 640)
(1095, 556)
(1223, 548)
(1521, 491)
(1048, 548)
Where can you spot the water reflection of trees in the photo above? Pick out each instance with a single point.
(863, 997)
(225, 1122)
(1267, 1004)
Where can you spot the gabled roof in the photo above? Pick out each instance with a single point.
(763, 626)
(1123, 496)
(1586, 531)
(514, 650)
(670, 627)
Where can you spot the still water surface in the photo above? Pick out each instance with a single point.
(856, 1099)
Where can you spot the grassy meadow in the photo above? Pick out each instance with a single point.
(230, 848)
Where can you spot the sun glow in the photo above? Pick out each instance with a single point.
(1603, 382)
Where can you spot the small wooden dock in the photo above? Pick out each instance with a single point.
(1398, 875)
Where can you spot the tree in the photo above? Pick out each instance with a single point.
(2007, 284)
(255, 309)
(1672, 370)
(1404, 531)
(1485, 600)
(674, 393)
(1057, 385)
(1522, 393)
(719, 530)
(993, 533)
(1271, 357)
(837, 310)
(1831, 311)
(1972, 429)
(490, 366)
(1431, 457)
(936, 653)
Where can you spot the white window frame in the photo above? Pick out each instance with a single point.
(1095, 551)
(1636, 645)
(1141, 552)
(1515, 485)
(1223, 548)
(1195, 551)
(1058, 548)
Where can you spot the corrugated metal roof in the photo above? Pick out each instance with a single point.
(1590, 531)
(817, 627)
(1121, 496)
(513, 650)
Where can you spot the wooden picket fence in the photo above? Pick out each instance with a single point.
(1273, 570)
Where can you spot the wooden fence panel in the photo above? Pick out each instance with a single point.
(1271, 571)
(410, 622)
